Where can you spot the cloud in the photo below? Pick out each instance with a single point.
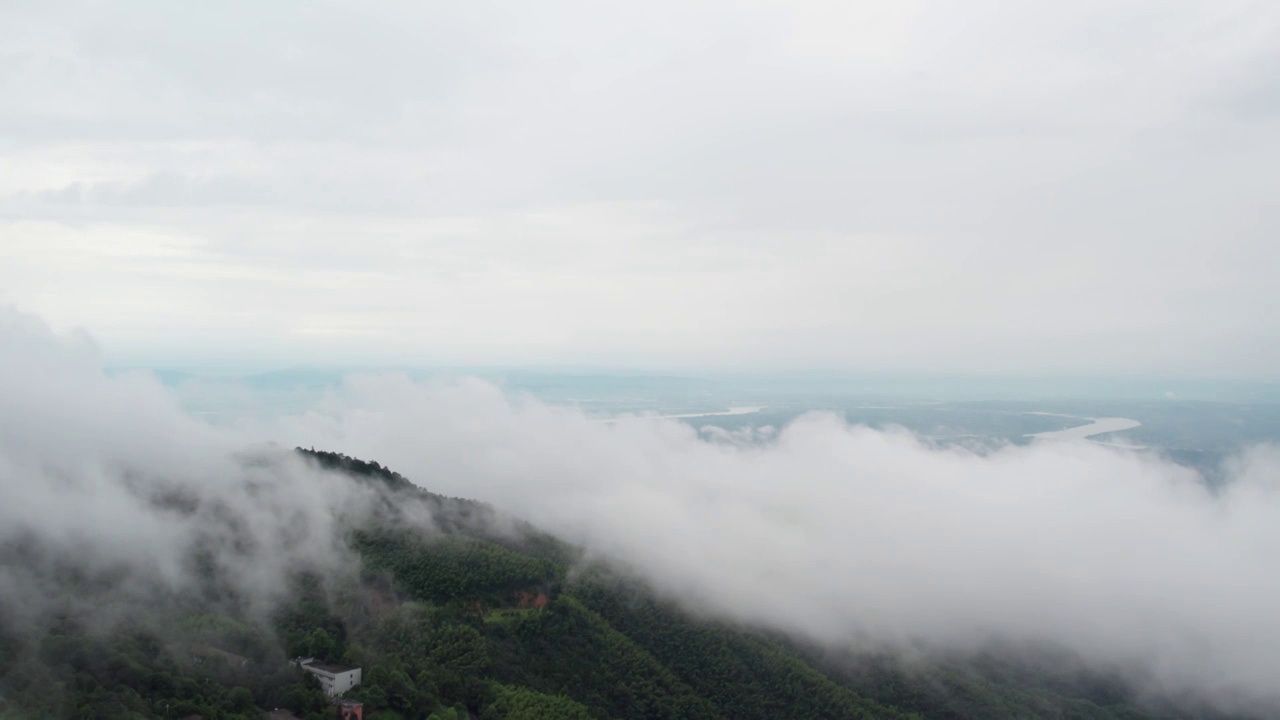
(833, 533)
(847, 535)
(107, 476)
(161, 190)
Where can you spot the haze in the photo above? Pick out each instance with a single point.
(1044, 187)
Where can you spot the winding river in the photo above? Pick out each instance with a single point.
(1097, 426)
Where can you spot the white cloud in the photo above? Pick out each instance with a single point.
(849, 535)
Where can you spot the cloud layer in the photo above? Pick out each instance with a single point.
(104, 479)
(850, 535)
(833, 533)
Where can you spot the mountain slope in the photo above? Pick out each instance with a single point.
(477, 617)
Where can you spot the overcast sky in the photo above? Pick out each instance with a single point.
(1035, 187)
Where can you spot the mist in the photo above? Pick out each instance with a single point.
(829, 532)
(105, 480)
(848, 535)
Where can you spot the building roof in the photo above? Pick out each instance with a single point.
(331, 669)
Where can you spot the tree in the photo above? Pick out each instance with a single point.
(319, 644)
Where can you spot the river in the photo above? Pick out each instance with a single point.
(737, 410)
(1097, 426)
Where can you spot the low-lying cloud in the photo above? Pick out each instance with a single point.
(831, 532)
(845, 533)
(109, 474)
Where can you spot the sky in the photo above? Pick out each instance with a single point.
(916, 185)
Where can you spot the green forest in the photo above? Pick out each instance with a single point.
(464, 622)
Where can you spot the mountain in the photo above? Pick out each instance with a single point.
(482, 616)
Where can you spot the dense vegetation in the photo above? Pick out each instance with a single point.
(469, 622)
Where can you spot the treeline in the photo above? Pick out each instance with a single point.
(358, 468)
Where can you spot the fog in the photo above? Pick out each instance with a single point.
(827, 531)
(108, 474)
(846, 534)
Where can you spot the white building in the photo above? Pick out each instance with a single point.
(335, 679)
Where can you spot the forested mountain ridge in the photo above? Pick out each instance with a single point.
(479, 617)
